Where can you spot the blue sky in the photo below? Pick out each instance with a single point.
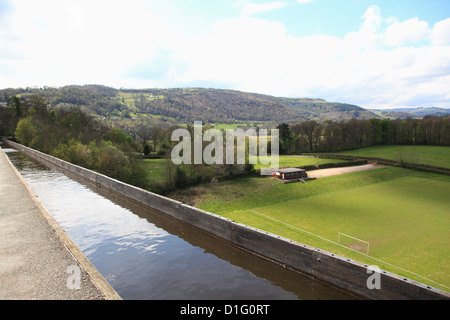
(375, 54)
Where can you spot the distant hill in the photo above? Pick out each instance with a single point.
(229, 106)
(404, 113)
(127, 107)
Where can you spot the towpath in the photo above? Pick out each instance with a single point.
(37, 259)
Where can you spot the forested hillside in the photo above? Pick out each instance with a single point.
(131, 109)
(405, 113)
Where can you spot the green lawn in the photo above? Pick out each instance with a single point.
(403, 214)
(431, 155)
(225, 126)
(295, 161)
(156, 168)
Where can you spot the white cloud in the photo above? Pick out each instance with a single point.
(407, 32)
(372, 19)
(82, 42)
(237, 50)
(104, 42)
(259, 55)
(368, 36)
(440, 35)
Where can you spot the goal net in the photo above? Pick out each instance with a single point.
(353, 243)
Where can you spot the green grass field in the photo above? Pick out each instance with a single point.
(431, 155)
(156, 168)
(225, 126)
(403, 214)
(293, 161)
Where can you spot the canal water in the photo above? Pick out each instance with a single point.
(146, 255)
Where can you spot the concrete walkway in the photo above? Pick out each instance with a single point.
(37, 259)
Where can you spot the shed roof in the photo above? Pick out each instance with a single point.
(285, 170)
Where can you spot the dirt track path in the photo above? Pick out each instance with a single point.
(335, 171)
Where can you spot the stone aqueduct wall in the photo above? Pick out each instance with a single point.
(341, 272)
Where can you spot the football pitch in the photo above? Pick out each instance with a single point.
(399, 223)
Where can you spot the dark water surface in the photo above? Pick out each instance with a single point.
(146, 255)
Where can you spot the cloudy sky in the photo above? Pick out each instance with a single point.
(371, 53)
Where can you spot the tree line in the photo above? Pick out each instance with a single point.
(68, 133)
(71, 135)
(159, 141)
(328, 136)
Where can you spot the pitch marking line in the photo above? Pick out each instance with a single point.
(313, 234)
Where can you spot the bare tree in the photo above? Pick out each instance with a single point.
(311, 132)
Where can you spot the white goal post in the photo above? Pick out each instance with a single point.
(353, 243)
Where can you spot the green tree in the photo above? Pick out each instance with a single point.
(116, 135)
(17, 105)
(386, 131)
(38, 104)
(25, 131)
(376, 131)
(286, 137)
(146, 150)
(114, 163)
(310, 131)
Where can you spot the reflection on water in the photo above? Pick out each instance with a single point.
(146, 255)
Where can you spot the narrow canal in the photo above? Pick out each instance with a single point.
(146, 255)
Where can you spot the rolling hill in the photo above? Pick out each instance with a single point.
(131, 107)
(404, 113)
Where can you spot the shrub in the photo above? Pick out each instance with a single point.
(25, 131)
(114, 163)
